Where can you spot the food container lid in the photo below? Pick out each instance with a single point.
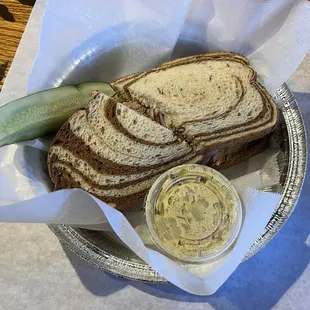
(193, 213)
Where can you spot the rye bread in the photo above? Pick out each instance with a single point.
(65, 176)
(101, 129)
(84, 155)
(90, 151)
(207, 99)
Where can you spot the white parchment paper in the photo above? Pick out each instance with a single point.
(103, 41)
(99, 41)
(26, 197)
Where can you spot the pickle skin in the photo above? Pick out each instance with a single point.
(35, 115)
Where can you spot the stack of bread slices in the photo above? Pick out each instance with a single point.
(202, 109)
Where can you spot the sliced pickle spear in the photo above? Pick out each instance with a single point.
(35, 115)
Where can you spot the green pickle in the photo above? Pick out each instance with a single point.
(35, 115)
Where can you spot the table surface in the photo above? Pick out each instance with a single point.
(37, 272)
(14, 15)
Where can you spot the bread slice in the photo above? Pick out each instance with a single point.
(120, 197)
(210, 99)
(90, 134)
(106, 168)
(101, 125)
(102, 171)
(91, 151)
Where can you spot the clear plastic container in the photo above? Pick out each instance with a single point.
(193, 213)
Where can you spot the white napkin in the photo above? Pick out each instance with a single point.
(100, 41)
